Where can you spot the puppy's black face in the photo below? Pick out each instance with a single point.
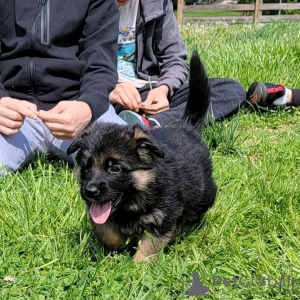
(113, 164)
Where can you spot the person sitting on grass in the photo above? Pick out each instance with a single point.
(153, 70)
(152, 88)
(57, 67)
(268, 94)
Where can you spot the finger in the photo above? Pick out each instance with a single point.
(115, 98)
(127, 95)
(61, 135)
(25, 108)
(156, 100)
(24, 111)
(10, 124)
(149, 107)
(47, 116)
(8, 131)
(136, 96)
(133, 98)
(159, 111)
(148, 100)
(30, 106)
(11, 114)
(58, 127)
(154, 109)
(120, 101)
(126, 101)
(61, 131)
(57, 109)
(153, 99)
(53, 113)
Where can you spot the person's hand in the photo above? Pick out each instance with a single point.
(126, 95)
(13, 113)
(157, 101)
(67, 119)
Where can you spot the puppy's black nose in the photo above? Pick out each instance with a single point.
(91, 190)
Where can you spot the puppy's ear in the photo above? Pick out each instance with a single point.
(146, 145)
(78, 142)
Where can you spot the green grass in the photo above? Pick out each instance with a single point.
(253, 229)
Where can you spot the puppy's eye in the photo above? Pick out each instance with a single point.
(114, 169)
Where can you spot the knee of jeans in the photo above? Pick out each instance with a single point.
(3, 170)
(11, 164)
(236, 89)
(237, 86)
(110, 116)
(7, 167)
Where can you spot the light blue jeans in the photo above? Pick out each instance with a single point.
(34, 137)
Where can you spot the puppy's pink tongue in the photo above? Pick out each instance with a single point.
(100, 212)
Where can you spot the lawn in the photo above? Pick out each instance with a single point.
(48, 252)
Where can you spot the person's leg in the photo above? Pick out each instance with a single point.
(131, 117)
(59, 147)
(268, 94)
(19, 149)
(226, 95)
(295, 97)
(167, 117)
(179, 97)
(264, 94)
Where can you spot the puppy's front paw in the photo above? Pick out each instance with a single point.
(139, 256)
(148, 248)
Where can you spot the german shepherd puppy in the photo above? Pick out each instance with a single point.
(146, 183)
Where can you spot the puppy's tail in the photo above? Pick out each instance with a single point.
(199, 94)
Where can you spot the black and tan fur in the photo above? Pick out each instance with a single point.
(154, 179)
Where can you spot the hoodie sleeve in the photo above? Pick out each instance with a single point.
(98, 48)
(3, 92)
(170, 51)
